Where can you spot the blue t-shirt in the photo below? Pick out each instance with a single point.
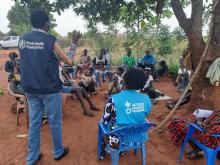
(149, 60)
(39, 66)
(131, 107)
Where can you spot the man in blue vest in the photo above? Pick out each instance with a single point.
(42, 85)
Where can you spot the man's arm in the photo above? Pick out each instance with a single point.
(61, 54)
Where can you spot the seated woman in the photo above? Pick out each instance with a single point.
(70, 87)
(84, 63)
(210, 124)
(127, 107)
(88, 81)
(183, 76)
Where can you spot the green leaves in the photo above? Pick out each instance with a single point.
(19, 16)
(164, 41)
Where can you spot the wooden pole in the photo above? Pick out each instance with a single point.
(193, 76)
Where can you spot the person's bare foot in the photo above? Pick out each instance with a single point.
(89, 114)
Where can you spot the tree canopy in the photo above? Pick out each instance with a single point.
(19, 19)
(108, 11)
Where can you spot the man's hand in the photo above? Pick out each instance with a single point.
(62, 55)
(76, 35)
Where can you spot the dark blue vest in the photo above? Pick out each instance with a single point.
(39, 66)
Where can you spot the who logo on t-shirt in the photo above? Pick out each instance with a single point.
(134, 107)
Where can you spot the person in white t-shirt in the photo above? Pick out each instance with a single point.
(148, 87)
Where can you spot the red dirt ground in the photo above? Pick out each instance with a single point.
(80, 133)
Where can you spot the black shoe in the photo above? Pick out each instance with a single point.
(65, 152)
(39, 158)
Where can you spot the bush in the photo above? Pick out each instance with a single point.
(173, 70)
(1, 92)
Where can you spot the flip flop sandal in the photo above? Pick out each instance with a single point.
(195, 155)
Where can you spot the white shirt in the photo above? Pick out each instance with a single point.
(184, 70)
(150, 78)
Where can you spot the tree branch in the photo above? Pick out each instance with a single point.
(180, 14)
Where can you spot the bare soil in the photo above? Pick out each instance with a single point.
(80, 132)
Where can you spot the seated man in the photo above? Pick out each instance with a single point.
(100, 64)
(150, 61)
(127, 107)
(70, 87)
(128, 60)
(88, 81)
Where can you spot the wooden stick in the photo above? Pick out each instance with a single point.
(193, 76)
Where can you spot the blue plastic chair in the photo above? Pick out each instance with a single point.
(210, 153)
(130, 138)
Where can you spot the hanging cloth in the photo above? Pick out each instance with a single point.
(214, 72)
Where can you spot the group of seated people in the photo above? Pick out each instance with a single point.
(148, 60)
(93, 73)
(69, 86)
(131, 83)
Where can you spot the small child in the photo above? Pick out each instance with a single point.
(114, 87)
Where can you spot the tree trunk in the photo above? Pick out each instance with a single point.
(204, 95)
